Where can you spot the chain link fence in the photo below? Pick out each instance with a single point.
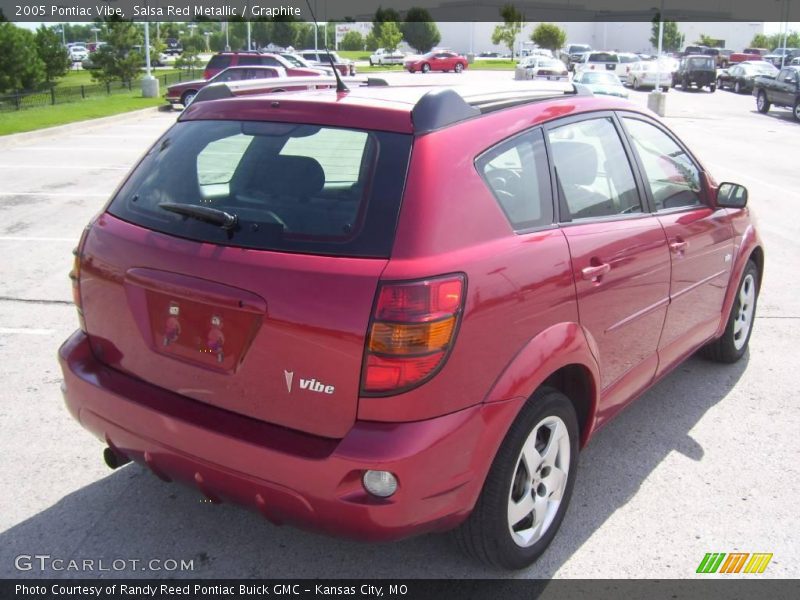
(60, 94)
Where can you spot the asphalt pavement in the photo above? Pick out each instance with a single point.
(706, 461)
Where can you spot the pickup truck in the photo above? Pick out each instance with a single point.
(384, 57)
(781, 90)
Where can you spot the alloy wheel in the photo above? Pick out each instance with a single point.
(744, 318)
(539, 481)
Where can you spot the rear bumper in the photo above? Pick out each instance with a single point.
(289, 476)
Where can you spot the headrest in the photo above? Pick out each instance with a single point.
(576, 162)
(295, 176)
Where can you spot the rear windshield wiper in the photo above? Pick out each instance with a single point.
(214, 216)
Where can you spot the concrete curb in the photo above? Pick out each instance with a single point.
(7, 141)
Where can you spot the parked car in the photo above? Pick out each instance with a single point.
(602, 83)
(695, 70)
(539, 67)
(173, 47)
(77, 52)
(780, 56)
(185, 91)
(614, 62)
(643, 74)
(781, 90)
(383, 57)
(156, 60)
(760, 51)
(740, 57)
(489, 55)
(696, 49)
(722, 57)
(223, 60)
(319, 58)
(293, 303)
(573, 53)
(740, 78)
(298, 61)
(436, 61)
(795, 62)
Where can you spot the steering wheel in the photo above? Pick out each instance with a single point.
(505, 180)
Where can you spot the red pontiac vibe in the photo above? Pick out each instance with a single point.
(293, 304)
(436, 61)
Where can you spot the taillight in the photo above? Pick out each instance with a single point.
(75, 276)
(411, 333)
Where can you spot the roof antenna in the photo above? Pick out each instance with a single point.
(340, 86)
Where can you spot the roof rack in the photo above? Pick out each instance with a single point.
(443, 107)
(230, 89)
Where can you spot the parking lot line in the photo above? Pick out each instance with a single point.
(70, 167)
(59, 194)
(11, 238)
(26, 331)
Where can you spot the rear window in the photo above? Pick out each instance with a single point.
(602, 57)
(291, 187)
(219, 62)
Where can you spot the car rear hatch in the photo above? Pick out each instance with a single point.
(239, 262)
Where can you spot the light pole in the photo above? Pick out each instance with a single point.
(149, 83)
(63, 34)
(207, 35)
(249, 41)
(656, 100)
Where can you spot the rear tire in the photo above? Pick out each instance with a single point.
(733, 344)
(187, 98)
(762, 104)
(636, 84)
(737, 88)
(796, 110)
(544, 435)
(712, 88)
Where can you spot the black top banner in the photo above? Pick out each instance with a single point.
(363, 10)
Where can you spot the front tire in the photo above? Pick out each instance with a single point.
(712, 88)
(426, 67)
(528, 487)
(459, 67)
(762, 104)
(796, 110)
(733, 343)
(187, 98)
(737, 88)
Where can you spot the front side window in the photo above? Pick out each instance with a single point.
(673, 177)
(516, 171)
(593, 173)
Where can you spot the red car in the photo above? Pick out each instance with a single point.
(223, 60)
(437, 61)
(184, 92)
(285, 306)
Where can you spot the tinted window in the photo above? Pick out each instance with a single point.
(247, 61)
(673, 177)
(517, 173)
(298, 188)
(219, 62)
(602, 57)
(594, 176)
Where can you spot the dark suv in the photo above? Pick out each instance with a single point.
(697, 70)
(294, 304)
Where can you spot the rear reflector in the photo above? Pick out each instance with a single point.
(411, 333)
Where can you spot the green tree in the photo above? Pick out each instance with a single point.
(549, 36)
(672, 39)
(391, 36)
(117, 60)
(419, 30)
(192, 47)
(513, 22)
(352, 40)
(372, 42)
(384, 15)
(20, 65)
(52, 53)
(707, 40)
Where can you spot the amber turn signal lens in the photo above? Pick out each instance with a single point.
(422, 338)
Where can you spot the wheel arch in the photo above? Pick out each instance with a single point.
(558, 357)
(750, 248)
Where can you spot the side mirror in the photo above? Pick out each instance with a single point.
(731, 195)
(789, 79)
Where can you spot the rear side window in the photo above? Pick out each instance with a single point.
(517, 173)
(219, 62)
(593, 173)
(297, 188)
(249, 61)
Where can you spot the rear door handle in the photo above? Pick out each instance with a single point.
(678, 246)
(595, 272)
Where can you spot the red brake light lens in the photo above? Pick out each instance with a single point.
(411, 333)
